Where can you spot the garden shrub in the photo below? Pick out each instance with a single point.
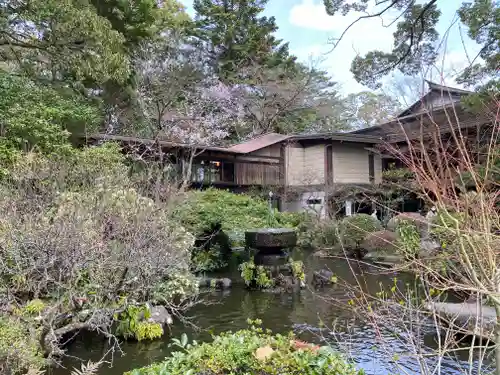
(89, 228)
(219, 220)
(133, 323)
(19, 347)
(249, 352)
(203, 210)
(316, 233)
(255, 275)
(355, 228)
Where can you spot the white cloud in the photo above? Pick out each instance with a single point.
(362, 37)
(367, 35)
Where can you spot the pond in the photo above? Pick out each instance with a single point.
(301, 312)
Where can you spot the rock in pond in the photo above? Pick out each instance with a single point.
(209, 282)
(321, 254)
(269, 239)
(159, 314)
(468, 318)
(322, 277)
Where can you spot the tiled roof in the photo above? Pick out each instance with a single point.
(257, 143)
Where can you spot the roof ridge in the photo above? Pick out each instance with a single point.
(434, 85)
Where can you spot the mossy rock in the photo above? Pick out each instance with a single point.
(380, 241)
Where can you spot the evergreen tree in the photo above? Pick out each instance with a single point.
(237, 36)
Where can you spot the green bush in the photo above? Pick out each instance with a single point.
(236, 353)
(355, 228)
(219, 220)
(408, 239)
(204, 210)
(19, 348)
(315, 233)
(255, 276)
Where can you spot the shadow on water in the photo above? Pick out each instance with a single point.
(301, 312)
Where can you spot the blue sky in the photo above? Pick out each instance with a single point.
(307, 28)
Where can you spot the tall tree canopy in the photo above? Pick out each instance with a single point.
(237, 36)
(367, 108)
(86, 40)
(416, 36)
(61, 59)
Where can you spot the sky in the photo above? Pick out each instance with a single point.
(308, 29)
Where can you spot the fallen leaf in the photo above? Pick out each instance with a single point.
(264, 353)
(301, 345)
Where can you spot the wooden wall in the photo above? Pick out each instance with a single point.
(257, 174)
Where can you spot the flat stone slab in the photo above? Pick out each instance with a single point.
(467, 318)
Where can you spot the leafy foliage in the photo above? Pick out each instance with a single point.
(133, 323)
(213, 214)
(318, 233)
(19, 348)
(400, 175)
(255, 275)
(61, 38)
(355, 228)
(204, 210)
(297, 268)
(408, 242)
(366, 108)
(34, 307)
(37, 116)
(142, 20)
(235, 353)
(247, 272)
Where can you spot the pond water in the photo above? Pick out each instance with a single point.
(300, 312)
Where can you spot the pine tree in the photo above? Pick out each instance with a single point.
(237, 36)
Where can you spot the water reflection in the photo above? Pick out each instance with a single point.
(372, 349)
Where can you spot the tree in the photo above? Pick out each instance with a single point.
(180, 99)
(35, 116)
(142, 20)
(284, 101)
(53, 39)
(415, 38)
(367, 108)
(237, 36)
